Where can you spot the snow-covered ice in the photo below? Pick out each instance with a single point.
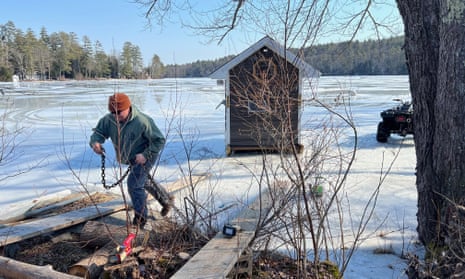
(49, 156)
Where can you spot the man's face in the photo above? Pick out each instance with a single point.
(122, 116)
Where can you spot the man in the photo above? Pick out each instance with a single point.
(137, 142)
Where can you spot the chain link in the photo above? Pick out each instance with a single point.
(156, 190)
(103, 173)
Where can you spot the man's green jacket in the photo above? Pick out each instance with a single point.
(138, 134)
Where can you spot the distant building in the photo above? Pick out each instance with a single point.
(263, 87)
(15, 80)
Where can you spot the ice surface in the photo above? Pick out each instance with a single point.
(51, 123)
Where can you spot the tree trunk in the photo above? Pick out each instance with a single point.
(92, 266)
(435, 51)
(96, 234)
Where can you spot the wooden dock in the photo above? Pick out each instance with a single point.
(218, 257)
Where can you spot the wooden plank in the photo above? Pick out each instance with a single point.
(217, 258)
(44, 207)
(12, 234)
(22, 208)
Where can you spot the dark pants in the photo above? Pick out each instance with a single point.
(138, 182)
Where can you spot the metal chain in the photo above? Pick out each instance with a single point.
(103, 173)
(156, 191)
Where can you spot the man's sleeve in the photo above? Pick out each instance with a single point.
(98, 134)
(156, 141)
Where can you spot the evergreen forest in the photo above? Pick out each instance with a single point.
(61, 55)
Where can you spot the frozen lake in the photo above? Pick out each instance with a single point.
(55, 120)
(47, 152)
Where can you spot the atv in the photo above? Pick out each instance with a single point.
(397, 120)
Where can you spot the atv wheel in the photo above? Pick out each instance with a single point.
(382, 135)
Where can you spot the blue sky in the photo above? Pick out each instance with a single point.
(113, 22)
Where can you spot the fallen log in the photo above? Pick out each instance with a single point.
(93, 233)
(98, 234)
(11, 269)
(91, 267)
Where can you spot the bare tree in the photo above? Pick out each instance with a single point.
(296, 23)
(269, 103)
(434, 51)
(11, 137)
(264, 97)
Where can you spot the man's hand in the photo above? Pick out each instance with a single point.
(140, 159)
(97, 147)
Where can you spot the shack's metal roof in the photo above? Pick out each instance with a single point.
(308, 71)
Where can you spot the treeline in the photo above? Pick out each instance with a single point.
(195, 69)
(373, 57)
(61, 55)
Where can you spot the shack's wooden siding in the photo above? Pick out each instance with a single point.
(270, 81)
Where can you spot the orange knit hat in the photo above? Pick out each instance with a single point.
(118, 102)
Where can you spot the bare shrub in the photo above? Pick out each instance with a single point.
(311, 210)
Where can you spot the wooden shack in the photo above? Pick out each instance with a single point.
(263, 88)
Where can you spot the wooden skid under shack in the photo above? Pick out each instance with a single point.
(231, 149)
